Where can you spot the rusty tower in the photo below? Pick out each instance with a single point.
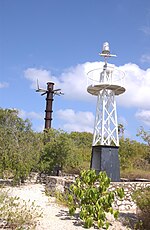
(50, 92)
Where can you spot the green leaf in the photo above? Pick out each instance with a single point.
(107, 224)
(116, 213)
(88, 222)
(100, 223)
(72, 211)
(70, 198)
(120, 192)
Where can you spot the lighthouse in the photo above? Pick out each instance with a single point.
(106, 83)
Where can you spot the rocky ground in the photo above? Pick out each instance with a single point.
(55, 217)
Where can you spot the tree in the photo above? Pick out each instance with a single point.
(82, 139)
(83, 143)
(121, 130)
(145, 135)
(133, 154)
(57, 147)
(68, 151)
(19, 146)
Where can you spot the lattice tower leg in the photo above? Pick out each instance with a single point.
(106, 126)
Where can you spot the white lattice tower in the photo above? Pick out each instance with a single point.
(105, 83)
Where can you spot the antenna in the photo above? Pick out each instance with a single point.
(50, 92)
(39, 90)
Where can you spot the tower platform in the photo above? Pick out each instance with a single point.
(95, 89)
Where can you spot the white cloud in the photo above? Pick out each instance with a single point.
(145, 58)
(38, 125)
(30, 115)
(73, 82)
(76, 121)
(137, 83)
(144, 116)
(3, 85)
(43, 76)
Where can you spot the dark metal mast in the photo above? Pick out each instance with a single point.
(49, 101)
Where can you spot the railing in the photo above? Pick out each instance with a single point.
(109, 75)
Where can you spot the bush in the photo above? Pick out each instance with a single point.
(16, 214)
(19, 147)
(90, 194)
(142, 200)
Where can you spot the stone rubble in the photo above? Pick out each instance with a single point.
(54, 183)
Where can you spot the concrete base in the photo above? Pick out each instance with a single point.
(105, 158)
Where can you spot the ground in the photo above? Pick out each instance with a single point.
(55, 217)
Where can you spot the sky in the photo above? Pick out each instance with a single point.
(59, 41)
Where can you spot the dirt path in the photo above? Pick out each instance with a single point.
(55, 217)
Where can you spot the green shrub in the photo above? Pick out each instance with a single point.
(142, 200)
(17, 214)
(90, 194)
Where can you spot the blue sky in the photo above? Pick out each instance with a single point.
(59, 40)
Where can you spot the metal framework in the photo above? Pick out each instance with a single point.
(106, 127)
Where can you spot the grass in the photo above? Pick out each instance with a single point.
(142, 200)
(133, 174)
(60, 198)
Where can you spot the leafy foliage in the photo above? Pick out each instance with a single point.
(68, 151)
(22, 150)
(82, 139)
(142, 199)
(134, 159)
(90, 194)
(19, 146)
(133, 153)
(55, 151)
(145, 135)
(82, 142)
